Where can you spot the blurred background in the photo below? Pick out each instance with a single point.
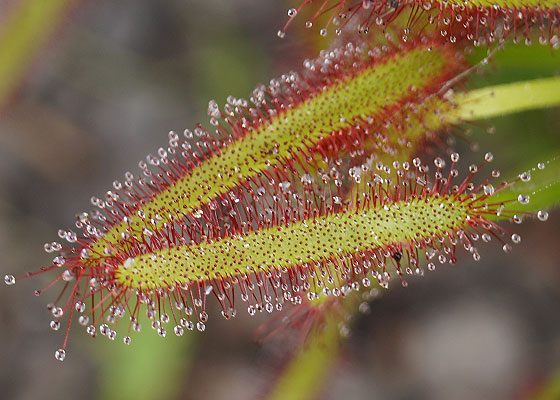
(99, 87)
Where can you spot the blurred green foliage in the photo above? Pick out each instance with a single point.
(23, 33)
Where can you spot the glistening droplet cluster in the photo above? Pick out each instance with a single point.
(289, 198)
(475, 21)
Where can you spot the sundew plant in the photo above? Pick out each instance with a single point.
(317, 192)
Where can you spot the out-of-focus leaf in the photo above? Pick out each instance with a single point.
(149, 368)
(550, 390)
(515, 63)
(24, 31)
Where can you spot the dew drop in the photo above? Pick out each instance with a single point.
(84, 254)
(127, 340)
(91, 330)
(364, 308)
(80, 306)
(203, 316)
(292, 12)
(9, 280)
(60, 354)
(59, 261)
(515, 238)
(488, 157)
(344, 330)
(525, 176)
(523, 199)
(542, 215)
(178, 330)
(439, 163)
(281, 34)
(104, 329)
(67, 275)
(489, 189)
(71, 237)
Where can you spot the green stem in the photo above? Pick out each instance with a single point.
(306, 373)
(509, 98)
